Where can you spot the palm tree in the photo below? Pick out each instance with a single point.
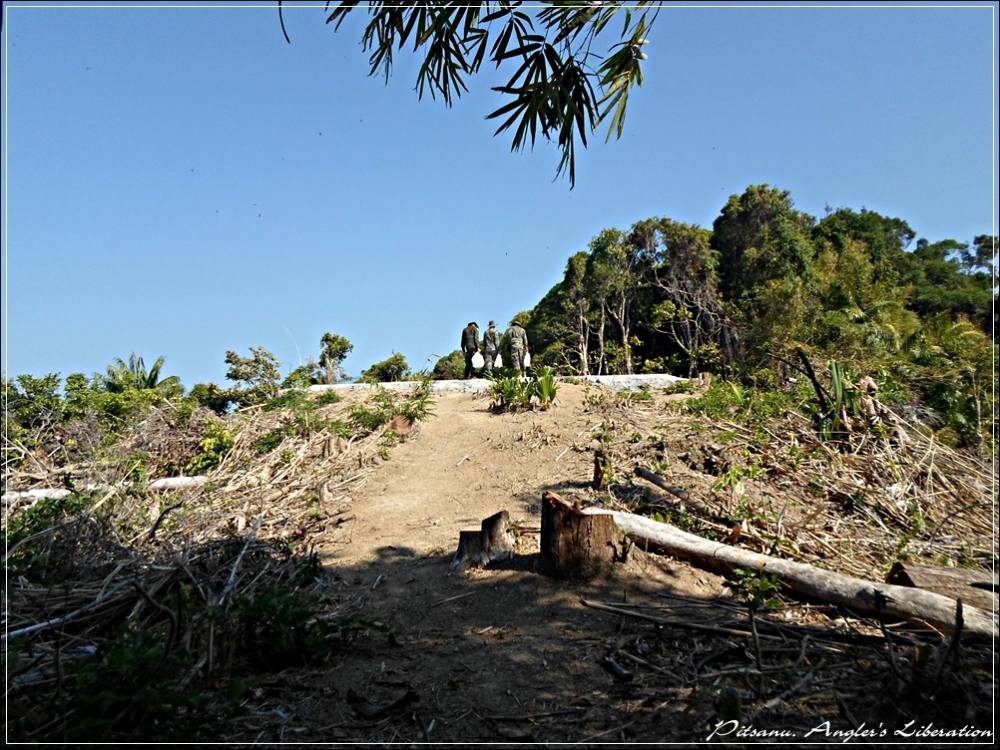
(132, 375)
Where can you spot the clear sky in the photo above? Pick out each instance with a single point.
(180, 181)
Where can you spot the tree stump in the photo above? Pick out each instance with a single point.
(602, 466)
(575, 544)
(478, 548)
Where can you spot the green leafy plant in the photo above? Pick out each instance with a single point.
(215, 446)
(545, 386)
(552, 89)
(760, 588)
(510, 394)
(270, 440)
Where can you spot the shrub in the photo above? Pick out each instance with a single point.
(389, 370)
(215, 446)
(511, 394)
(449, 367)
(211, 396)
(545, 387)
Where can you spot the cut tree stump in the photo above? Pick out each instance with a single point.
(575, 544)
(974, 587)
(478, 548)
(601, 472)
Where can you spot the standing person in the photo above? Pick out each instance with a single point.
(518, 342)
(470, 345)
(491, 347)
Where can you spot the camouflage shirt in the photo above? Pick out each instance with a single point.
(491, 340)
(518, 338)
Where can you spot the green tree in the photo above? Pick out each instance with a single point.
(982, 256)
(683, 269)
(304, 376)
(121, 376)
(389, 370)
(885, 238)
(335, 349)
(613, 279)
(760, 236)
(955, 359)
(858, 314)
(560, 87)
(942, 285)
(257, 376)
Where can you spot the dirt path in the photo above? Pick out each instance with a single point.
(464, 465)
(485, 649)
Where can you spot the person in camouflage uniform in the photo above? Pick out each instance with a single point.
(470, 345)
(517, 341)
(491, 347)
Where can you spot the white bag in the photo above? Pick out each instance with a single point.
(527, 360)
(477, 360)
(499, 362)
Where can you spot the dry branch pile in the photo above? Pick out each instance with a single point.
(777, 488)
(133, 612)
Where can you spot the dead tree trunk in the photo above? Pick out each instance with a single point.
(911, 604)
(974, 587)
(478, 548)
(575, 544)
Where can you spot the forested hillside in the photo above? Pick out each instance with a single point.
(767, 280)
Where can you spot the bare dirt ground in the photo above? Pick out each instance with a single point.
(493, 655)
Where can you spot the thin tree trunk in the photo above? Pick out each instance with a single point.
(582, 334)
(600, 341)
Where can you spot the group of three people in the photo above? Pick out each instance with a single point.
(514, 344)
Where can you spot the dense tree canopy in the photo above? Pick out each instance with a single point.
(768, 280)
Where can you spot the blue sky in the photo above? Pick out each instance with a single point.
(179, 181)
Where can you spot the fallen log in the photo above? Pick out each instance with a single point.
(684, 496)
(977, 588)
(52, 493)
(914, 605)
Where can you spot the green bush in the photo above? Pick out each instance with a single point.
(270, 440)
(326, 399)
(545, 387)
(215, 446)
(389, 370)
(449, 367)
(211, 396)
(511, 394)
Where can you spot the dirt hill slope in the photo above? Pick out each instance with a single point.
(493, 655)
